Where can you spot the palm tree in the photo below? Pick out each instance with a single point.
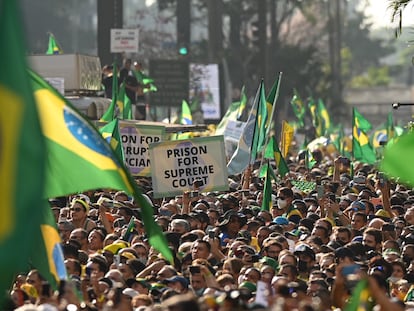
(397, 7)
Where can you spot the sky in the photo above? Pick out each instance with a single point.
(381, 15)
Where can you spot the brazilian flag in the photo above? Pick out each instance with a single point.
(80, 159)
(111, 134)
(22, 153)
(53, 48)
(272, 151)
(361, 147)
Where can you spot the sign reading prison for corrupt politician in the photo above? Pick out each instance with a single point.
(135, 141)
(176, 164)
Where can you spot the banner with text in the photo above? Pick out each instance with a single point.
(135, 141)
(176, 164)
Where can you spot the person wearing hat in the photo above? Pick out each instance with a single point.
(79, 210)
(230, 226)
(306, 260)
(178, 283)
(285, 198)
(141, 285)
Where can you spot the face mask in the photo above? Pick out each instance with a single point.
(302, 266)
(281, 203)
(142, 260)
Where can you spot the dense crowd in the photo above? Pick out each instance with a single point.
(327, 233)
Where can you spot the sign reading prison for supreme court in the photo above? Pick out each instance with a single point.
(176, 164)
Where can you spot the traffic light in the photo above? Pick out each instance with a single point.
(182, 50)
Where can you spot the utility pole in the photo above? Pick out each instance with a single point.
(109, 16)
(215, 31)
(262, 39)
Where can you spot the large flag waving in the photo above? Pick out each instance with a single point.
(397, 159)
(361, 148)
(53, 47)
(247, 145)
(79, 158)
(22, 154)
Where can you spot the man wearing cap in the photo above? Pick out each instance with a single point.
(284, 201)
(231, 225)
(178, 283)
(306, 261)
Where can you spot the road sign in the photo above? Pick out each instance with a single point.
(124, 40)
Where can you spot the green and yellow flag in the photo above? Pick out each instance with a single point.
(109, 114)
(272, 152)
(110, 132)
(299, 108)
(53, 48)
(397, 157)
(79, 158)
(47, 255)
(361, 147)
(320, 117)
(22, 156)
(360, 298)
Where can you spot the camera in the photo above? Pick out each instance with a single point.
(211, 234)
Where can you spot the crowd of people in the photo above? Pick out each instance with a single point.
(328, 235)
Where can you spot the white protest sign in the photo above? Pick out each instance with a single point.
(135, 139)
(176, 164)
